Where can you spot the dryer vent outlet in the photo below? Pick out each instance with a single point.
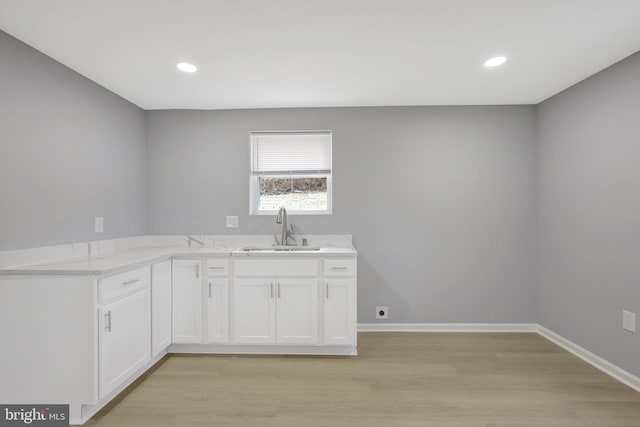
(382, 312)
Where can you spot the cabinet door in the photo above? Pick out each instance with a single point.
(297, 312)
(160, 307)
(187, 301)
(340, 312)
(125, 339)
(254, 311)
(217, 300)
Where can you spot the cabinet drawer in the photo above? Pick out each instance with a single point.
(339, 267)
(124, 283)
(218, 267)
(275, 267)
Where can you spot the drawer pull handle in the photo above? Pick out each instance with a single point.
(338, 268)
(216, 268)
(327, 286)
(209, 289)
(278, 289)
(107, 321)
(130, 282)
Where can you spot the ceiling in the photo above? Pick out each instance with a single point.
(316, 53)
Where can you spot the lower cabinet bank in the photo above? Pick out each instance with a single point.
(265, 305)
(80, 340)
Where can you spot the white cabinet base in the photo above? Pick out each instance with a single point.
(254, 308)
(186, 301)
(301, 350)
(297, 311)
(125, 339)
(339, 314)
(217, 310)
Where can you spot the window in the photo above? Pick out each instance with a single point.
(291, 170)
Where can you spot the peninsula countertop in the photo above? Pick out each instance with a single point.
(124, 260)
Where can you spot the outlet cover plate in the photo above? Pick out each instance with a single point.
(629, 321)
(99, 224)
(232, 222)
(382, 312)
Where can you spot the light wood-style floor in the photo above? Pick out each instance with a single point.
(399, 379)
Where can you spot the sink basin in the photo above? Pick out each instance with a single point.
(280, 249)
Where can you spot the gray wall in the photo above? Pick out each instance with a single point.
(70, 151)
(439, 199)
(588, 164)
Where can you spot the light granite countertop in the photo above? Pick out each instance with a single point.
(128, 259)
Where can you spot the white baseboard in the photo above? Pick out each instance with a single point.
(447, 327)
(592, 359)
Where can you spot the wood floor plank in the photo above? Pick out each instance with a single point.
(399, 379)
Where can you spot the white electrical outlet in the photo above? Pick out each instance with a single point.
(232, 222)
(382, 312)
(99, 224)
(629, 321)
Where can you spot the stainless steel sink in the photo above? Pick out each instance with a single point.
(280, 249)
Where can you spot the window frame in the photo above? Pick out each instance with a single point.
(254, 179)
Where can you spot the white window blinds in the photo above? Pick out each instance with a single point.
(301, 153)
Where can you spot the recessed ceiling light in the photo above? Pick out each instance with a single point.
(186, 67)
(494, 62)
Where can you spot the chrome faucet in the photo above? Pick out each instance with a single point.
(281, 218)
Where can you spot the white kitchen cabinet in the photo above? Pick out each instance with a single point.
(339, 323)
(275, 311)
(109, 326)
(296, 311)
(217, 310)
(124, 339)
(187, 318)
(254, 320)
(160, 307)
